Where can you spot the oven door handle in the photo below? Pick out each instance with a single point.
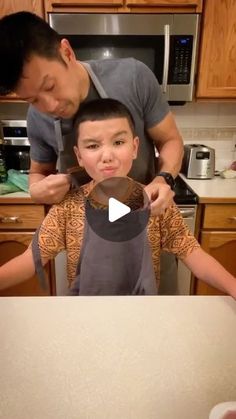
(186, 213)
(166, 57)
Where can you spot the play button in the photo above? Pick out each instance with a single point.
(117, 209)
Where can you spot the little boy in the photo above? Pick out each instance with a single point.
(106, 148)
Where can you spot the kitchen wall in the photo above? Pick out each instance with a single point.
(213, 124)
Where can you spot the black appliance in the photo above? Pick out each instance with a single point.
(184, 195)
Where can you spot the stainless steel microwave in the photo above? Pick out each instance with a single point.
(167, 43)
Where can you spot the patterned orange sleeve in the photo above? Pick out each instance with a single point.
(52, 235)
(175, 234)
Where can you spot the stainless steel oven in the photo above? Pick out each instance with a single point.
(176, 278)
(16, 145)
(167, 43)
(184, 275)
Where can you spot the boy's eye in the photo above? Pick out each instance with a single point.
(119, 142)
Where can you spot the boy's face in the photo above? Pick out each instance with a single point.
(106, 148)
(54, 87)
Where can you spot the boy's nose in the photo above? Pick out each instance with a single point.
(107, 155)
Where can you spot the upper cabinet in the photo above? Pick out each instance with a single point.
(137, 6)
(12, 6)
(217, 66)
(82, 5)
(164, 5)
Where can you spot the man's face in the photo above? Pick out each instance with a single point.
(106, 148)
(52, 86)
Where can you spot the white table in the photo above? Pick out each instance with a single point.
(116, 357)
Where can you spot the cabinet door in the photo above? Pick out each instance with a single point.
(194, 5)
(217, 70)
(80, 5)
(222, 246)
(12, 6)
(11, 245)
(124, 5)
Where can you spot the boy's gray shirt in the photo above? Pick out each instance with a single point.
(127, 80)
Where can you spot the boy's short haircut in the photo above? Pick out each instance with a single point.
(102, 109)
(22, 35)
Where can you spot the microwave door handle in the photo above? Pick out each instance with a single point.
(166, 57)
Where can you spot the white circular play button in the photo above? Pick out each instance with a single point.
(117, 209)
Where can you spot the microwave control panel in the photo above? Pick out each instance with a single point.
(180, 59)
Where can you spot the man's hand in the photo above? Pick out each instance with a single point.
(51, 189)
(160, 195)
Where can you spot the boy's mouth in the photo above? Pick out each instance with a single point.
(108, 171)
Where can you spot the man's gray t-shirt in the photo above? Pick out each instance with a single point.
(132, 83)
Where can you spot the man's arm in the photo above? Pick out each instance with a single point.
(18, 270)
(206, 268)
(45, 186)
(169, 144)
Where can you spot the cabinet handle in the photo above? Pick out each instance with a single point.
(232, 218)
(7, 220)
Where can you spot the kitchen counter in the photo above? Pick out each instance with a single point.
(116, 357)
(216, 190)
(16, 198)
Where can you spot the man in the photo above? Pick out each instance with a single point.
(42, 69)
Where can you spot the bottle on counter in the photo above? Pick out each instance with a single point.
(3, 168)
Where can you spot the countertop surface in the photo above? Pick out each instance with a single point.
(15, 198)
(116, 357)
(213, 190)
(216, 190)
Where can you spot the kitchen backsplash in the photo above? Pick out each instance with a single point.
(223, 140)
(213, 124)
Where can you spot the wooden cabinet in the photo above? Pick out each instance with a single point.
(218, 238)
(83, 6)
(17, 225)
(190, 6)
(217, 65)
(12, 6)
(136, 6)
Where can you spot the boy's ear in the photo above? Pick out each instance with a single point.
(136, 145)
(77, 153)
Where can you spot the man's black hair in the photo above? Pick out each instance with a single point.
(101, 109)
(22, 35)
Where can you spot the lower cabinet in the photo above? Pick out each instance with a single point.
(218, 238)
(17, 226)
